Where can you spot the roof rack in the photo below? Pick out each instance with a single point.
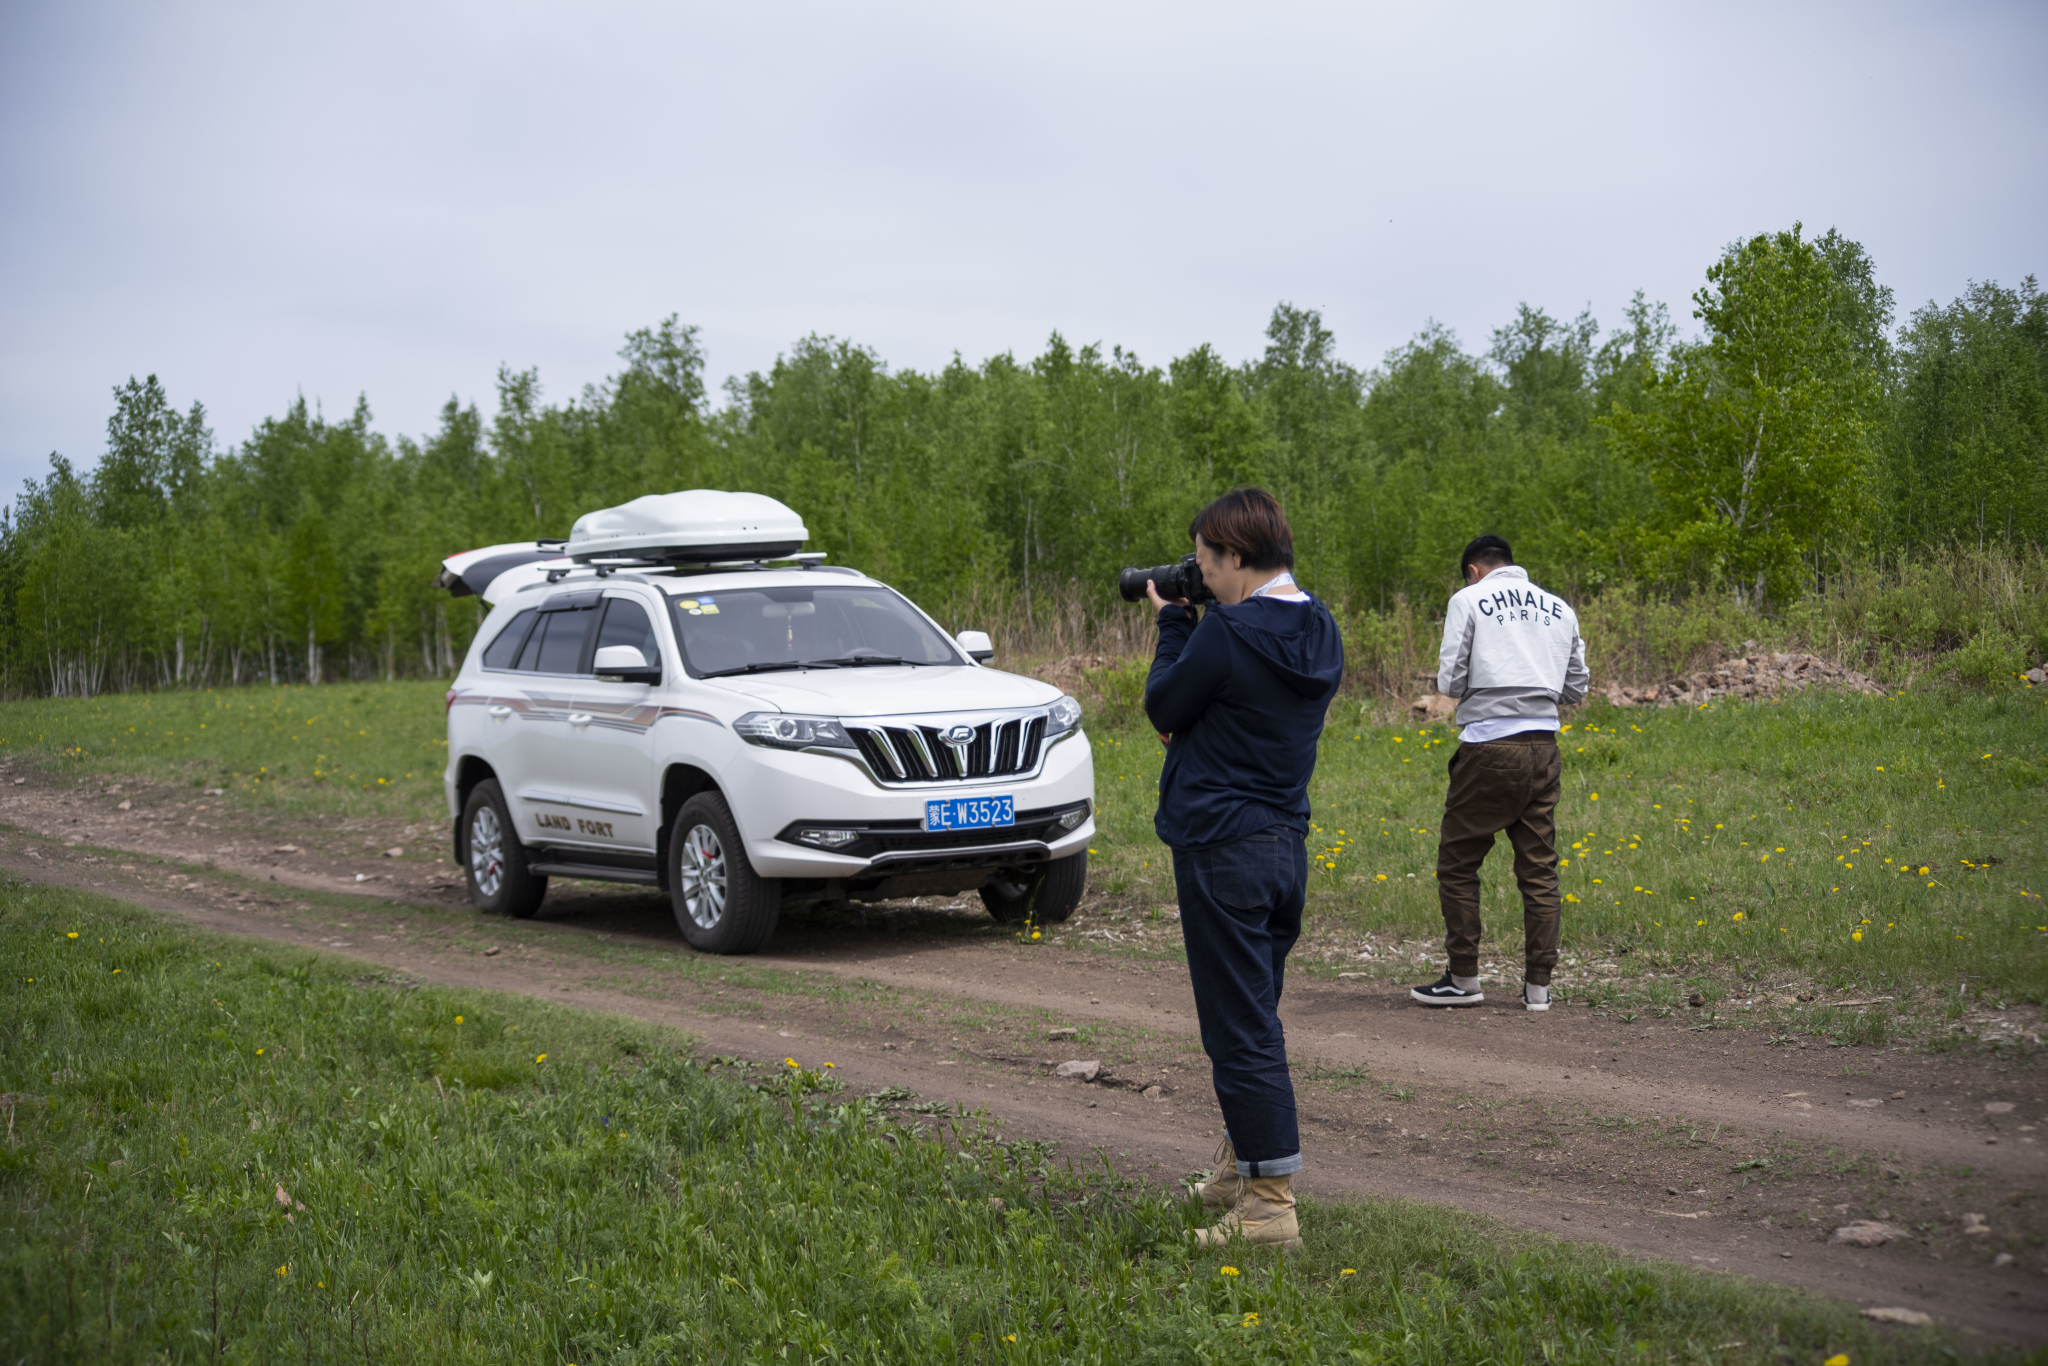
(805, 559)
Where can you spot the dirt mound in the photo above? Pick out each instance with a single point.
(1752, 677)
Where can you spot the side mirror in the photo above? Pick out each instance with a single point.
(978, 646)
(624, 664)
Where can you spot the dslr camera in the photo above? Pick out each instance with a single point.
(1182, 580)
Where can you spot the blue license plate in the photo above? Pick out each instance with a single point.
(970, 813)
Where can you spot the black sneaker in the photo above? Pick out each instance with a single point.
(1444, 992)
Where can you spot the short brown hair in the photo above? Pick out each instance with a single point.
(1248, 521)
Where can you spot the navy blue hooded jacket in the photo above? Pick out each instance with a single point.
(1242, 695)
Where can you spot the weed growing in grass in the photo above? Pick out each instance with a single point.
(432, 1175)
(340, 748)
(1817, 835)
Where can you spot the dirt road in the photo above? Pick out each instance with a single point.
(1711, 1146)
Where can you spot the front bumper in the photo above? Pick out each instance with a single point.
(784, 791)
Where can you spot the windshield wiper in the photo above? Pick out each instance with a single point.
(766, 665)
(855, 661)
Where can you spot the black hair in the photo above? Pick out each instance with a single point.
(1249, 521)
(1488, 552)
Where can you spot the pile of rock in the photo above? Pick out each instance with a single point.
(1751, 678)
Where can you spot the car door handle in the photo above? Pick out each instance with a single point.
(498, 713)
(579, 719)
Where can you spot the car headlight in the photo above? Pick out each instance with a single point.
(1061, 717)
(778, 730)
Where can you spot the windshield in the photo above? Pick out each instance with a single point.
(754, 629)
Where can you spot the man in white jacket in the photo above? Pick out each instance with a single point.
(1511, 653)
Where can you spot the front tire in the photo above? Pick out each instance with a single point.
(499, 881)
(1045, 896)
(721, 904)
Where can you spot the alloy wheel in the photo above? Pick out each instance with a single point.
(703, 876)
(486, 852)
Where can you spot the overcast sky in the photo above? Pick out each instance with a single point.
(257, 201)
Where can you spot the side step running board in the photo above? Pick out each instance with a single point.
(597, 872)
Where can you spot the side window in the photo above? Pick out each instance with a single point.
(562, 650)
(556, 645)
(626, 623)
(503, 652)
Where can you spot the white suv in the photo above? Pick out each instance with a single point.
(743, 733)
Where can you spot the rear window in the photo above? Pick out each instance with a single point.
(503, 652)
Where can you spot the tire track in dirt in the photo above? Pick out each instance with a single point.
(1453, 1063)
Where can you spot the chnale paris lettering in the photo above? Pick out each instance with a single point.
(1497, 606)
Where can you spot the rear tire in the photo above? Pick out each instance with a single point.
(499, 881)
(721, 904)
(1045, 896)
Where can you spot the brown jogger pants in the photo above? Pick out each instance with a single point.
(1509, 784)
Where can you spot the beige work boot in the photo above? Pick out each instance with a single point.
(1264, 1217)
(1221, 1190)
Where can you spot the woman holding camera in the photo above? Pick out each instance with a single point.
(1239, 696)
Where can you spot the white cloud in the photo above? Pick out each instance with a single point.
(257, 201)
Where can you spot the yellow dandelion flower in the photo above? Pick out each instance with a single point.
(284, 1270)
(1736, 916)
(72, 935)
(1226, 1271)
(1348, 1271)
(540, 1057)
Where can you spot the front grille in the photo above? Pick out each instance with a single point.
(916, 754)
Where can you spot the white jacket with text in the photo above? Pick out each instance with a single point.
(1510, 650)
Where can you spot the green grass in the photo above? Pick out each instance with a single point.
(1705, 836)
(1784, 836)
(340, 748)
(223, 1151)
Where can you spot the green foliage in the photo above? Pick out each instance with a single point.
(1758, 437)
(1121, 687)
(1791, 445)
(1968, 456)
(218, 1151)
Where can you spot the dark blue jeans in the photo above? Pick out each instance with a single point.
(1240, 912)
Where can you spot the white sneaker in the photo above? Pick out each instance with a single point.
(1535, 997)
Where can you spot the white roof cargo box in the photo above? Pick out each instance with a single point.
(697, 524)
